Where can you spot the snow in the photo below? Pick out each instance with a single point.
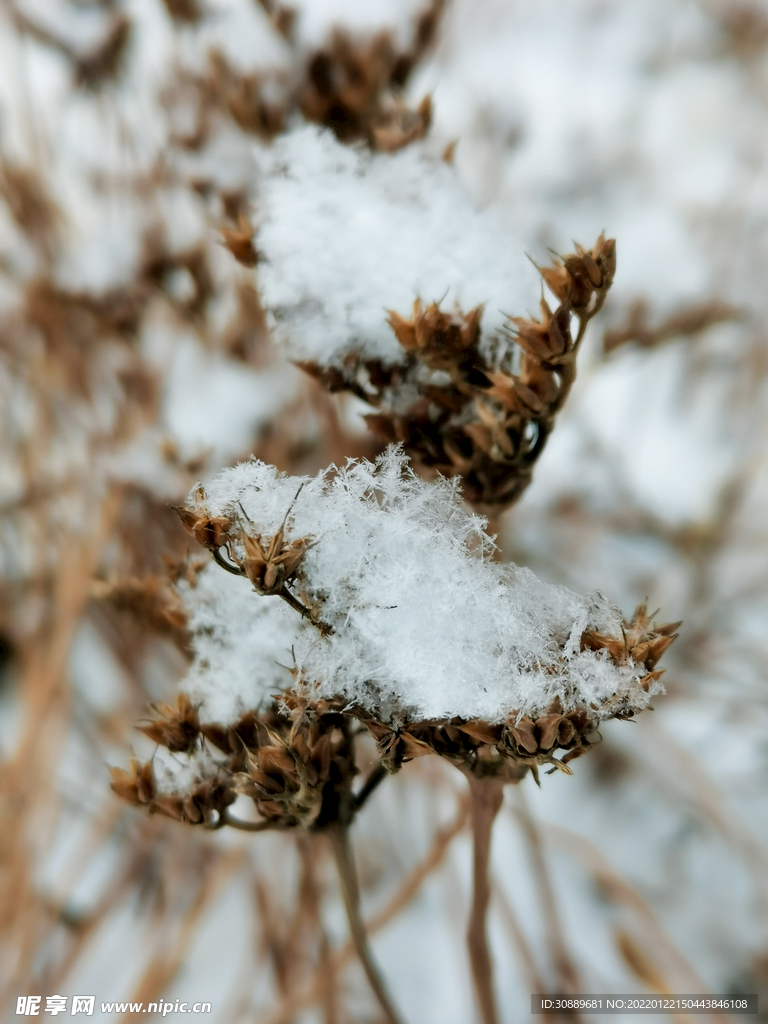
(641, 119)
(424, 623)
(348, 235)
(242, 647)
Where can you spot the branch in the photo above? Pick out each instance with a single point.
(376, 777)
(566, 975)
(486, 798)
(345, 864)
(316, 985)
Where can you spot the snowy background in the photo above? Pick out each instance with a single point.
(136, 357)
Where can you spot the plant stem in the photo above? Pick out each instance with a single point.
(350, 890)
(376, 777)
(566, 975)
(486, 798)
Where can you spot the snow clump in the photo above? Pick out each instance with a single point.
(418, 619)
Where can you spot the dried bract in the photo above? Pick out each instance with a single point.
(489, 421)
(137, 785)
(176, 727)
(212, 532)
(239, 241)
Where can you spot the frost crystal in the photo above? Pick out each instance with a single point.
(419, 622)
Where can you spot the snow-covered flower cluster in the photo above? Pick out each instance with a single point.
(348, 234)
(394, 613)
(420, 621)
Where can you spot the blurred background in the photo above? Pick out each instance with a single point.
(135, 359)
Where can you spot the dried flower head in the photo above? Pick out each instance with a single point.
(137, 785)
(176, 727)
(406, 626)
(468, 417)
(463, 402)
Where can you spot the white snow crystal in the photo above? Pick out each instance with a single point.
(347, 235)
(425, 624)
(242, 646)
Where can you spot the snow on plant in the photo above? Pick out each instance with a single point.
(387, 607)
(367, 595)
(396, 614)
(394, 230)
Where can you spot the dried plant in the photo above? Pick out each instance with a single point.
(457, 413)
(684, 323)
(321, 661)
(338, 558)
(353, 85)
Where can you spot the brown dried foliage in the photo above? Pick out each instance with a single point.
(297, 762)
(270, 563)
(176, 726)
(685, 323)
(29, 203)
(187, 12)
(352, 86)
(641, 643)
(151, 601)
(506, 751)
(239, 241)
(502, 751)
(489, 424)
(353, 89)
(92, 68)
(296, 766)
(301, 776)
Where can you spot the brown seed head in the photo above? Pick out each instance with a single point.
(239, 241)
(176, 727)
(641, 641)
(270, 565)
(137, 785)
(209, 531)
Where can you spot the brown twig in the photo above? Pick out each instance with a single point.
(486, 797)
(336, 961)
(339, 836)
(527, 962)
(621, 892)
(686, 322)
(566, 975)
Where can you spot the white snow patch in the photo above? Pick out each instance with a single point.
(348, 235)
(425, 624)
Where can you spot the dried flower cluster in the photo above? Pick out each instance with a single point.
(297, 768)
(353, 84)
(457, 413)
(354, 90)
(136, 358)
(516, 672)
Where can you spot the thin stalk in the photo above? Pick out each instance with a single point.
(245, 826)
(338, 959)
(350, 891)
(486, 799)
(376, 777)
(528, 965)
(305, 612)
(566, 975)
